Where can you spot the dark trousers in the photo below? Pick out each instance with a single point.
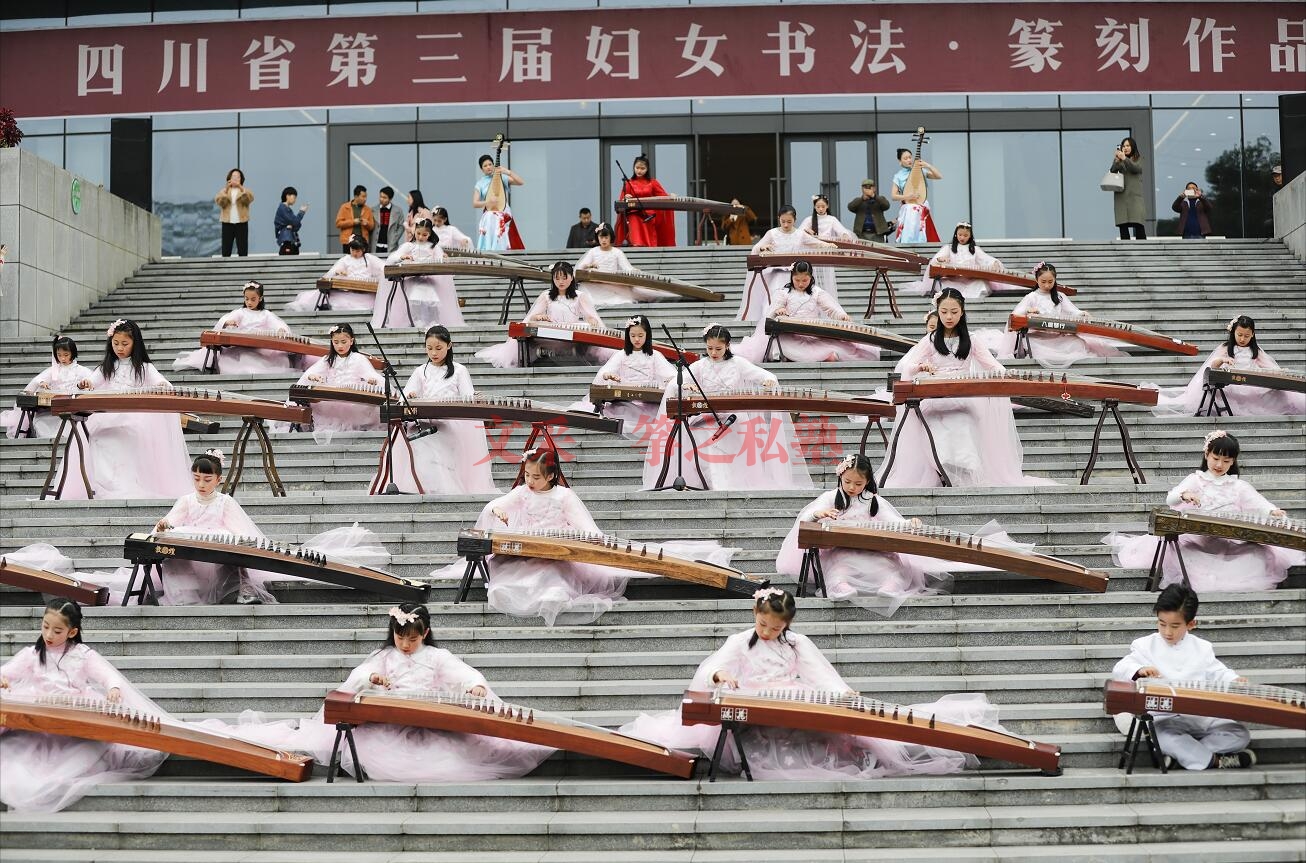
(1140, 233)
(238, 233)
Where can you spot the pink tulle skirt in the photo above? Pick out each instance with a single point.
(47, 772)
(341, 301)
(758, 291)
(1049, 350)
(243, 361)
(131, 455)
(453, 460)
(971, 289)
(345, 416)
(1243, 401)
(976, 440)
(759, 451)
(1213, 564)
(43, 425)
(804, 349)
(424, 301)
(507, 354)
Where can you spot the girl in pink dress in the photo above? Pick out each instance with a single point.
(1051, 350)
(451, 456)
(344, 366)
(448, 236)
(976, 438)
(964, 254)
(62, 377)
(562, 303)
(430, 299)
(1214, 563)
(828, 228)
(801, 300)
(49, 772)
(252, 317)
(784, 238)
(637, 365)
(772, 656)
(358, 264)
(607, 258)
(1240, 352)
(757, 451)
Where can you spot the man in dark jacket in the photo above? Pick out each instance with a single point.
(870, 208)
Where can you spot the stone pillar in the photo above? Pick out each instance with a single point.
(1290, 215)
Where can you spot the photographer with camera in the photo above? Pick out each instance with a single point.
(1194, 213)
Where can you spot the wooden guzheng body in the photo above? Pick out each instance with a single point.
(836, 713)
(308, 394)
(336, 283)
(495, 411)
(1023, 284)
(16, 574)
(1269, 705)
(490, 718)
(680, 202)
(264, 554)
(842, 330)
(91, 719)
(881, 249)
(583, 334)
(1283, 532)
(1118, 330)
(788, 399)
(1270, 379)
(603, 550)
(1015, 383)
(638, 279)
(266, 341)
(175, 401)
(470, 266)
(843, 258)
(30, 403)
(902, 538)
(600, 393)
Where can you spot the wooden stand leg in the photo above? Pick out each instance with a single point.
(728, 729)
(476, 564)
(146, 593)
(54, 458)
(1022, 349)
(211, 361)
(516, 286)
(269, 458)
(1131, 461)
(775, 342)
(344, 734)
(1141, 730)
(811, 567)
(323, 300)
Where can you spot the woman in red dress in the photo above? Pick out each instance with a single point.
(647, 227)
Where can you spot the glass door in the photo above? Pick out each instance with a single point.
(830, 166)
(671, 164)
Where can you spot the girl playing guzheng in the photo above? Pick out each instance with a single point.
(62, 377)
(962, 253)
(358, 264)
(637, 365)
(562, 303)
(802, 300)
(344, 366)
(453, 458)
(770, 656)
(1239, 352)
(1214, 563)
(1174, 653)
(1052, 350)
(252, 317)
(784, 238)
(48, 772)
(607, 258)
(424, 300)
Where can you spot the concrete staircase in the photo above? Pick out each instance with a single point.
(1039, 651)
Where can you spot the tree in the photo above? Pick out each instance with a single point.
(1239, 188)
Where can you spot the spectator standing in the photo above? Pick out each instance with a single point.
(354, 218)
(233, 201)
(287, 222)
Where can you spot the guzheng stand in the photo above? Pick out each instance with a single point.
(1158, 560)
(1135, 469)
(345, 734)
(211, 360)
(882, 275)
(680, 429)
(146, 594)
(516, 288)
(384, 483)
(731, 729)
(811, 568)
(26, 419)
(1141, 730)
(913, 406)
(1214, 402)
(399, 285)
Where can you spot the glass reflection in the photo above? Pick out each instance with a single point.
(1088, 213)
(1202, 147)
(189, 168)
(294, 156)
(1014, 185)
(88, 156)
(561, 177)
(448, 174)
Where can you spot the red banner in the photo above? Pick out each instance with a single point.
(676, 52)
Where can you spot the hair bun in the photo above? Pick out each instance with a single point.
(217, 455)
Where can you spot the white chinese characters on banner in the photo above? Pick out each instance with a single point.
(269, 70)
(1205, 29)
(791, 43)
(1288, 54)
(700, 57)
(526, 56)
(440, 58)
(599, 47)
(1124, 45)
(99, 65)
(189, 61)
(1034, 49)
(879, 40)
(352, 59)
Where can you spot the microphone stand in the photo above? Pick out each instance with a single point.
(680, 428)
(646, 217)
(387, 373)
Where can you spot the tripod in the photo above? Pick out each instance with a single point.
(388, 373)
(680, 428)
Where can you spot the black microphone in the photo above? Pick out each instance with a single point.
(729, 421)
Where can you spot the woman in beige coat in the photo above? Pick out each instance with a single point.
(233, 201)
(1131, 209)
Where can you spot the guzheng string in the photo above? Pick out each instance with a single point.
(1292, 697)
(952, 537)
(1287, 523)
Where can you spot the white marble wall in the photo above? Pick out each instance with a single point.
(1290, 216)
(60, 262)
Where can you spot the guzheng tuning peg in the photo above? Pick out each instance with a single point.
(530, 718)
(931, 720)
(909, 716)
(895, 712)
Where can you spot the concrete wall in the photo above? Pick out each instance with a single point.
(1290, 216)
(59, 262)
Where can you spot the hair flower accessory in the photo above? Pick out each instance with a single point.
(766, 593)
(926, 317)
(848, 461)
(113, 326)
(1210, 436)
(1232, 321)
(964, 224)
(338, 328)
(253, 285)
(217, 454)
(634, 322)
(404, 618)
(707, 329)
(934, 301)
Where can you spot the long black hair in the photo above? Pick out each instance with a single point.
(1229, 344)
(442, 333)
(863, 466)
(780, 603)
(1225, 445)
(716, 331)
(971, 244)
(801, 267)
(140, 357)
(410, 627)
(962, 331)
(256, 287)
(1045, 267)
(567, 268)
(72, 612)
(353, 345)
(62, 343)
(418, 202)
(639, 321)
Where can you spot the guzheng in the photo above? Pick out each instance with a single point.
(466, 714)
(16, 574)
(1266, 530)
(583, 334)
(1024, 284)
(92, 719)
(1270, 705)
(1118, 330)
(268, 341)
(639, 279)
(839, 713)
(881, 249)
(787, 399)
(903, 537)
(600, 393)
(842, 330)
(336, 283)
(177, 400)
(603, 550)
(1270, 379)
(841, 258)
(309, 394)
(498, 411)
(264, 554)
(471, 266)
(40, 401)
(1017, 383)
(679, 202)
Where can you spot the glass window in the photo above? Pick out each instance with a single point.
(1013, 100)
(837, 104)
(309, 10)
(175, 16)
(295, 117)
(463, 111)
(852, 164)
(373, 115)
(462, 6)
(89, 124)
(1104, 100)
(377, 165)
(1261, 152)
(48, 147)
(567, 110)
(1260, 100)
(372, 8)
(109, 19)
(738, 106)
(1204, 147)
(1088, 212)
(88, 156)
(623, 155)
(449, 173)
(644, 107)
(561, 176)
(189, 169)
(671, 168)
(40, 127)
(940, 102)
(806, 169)
(947, 151)
(1015, 188)
(207, 120)
(1194, 100)
(294, 156)
(12, 24)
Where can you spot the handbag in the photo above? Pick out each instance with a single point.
(1112, 182)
